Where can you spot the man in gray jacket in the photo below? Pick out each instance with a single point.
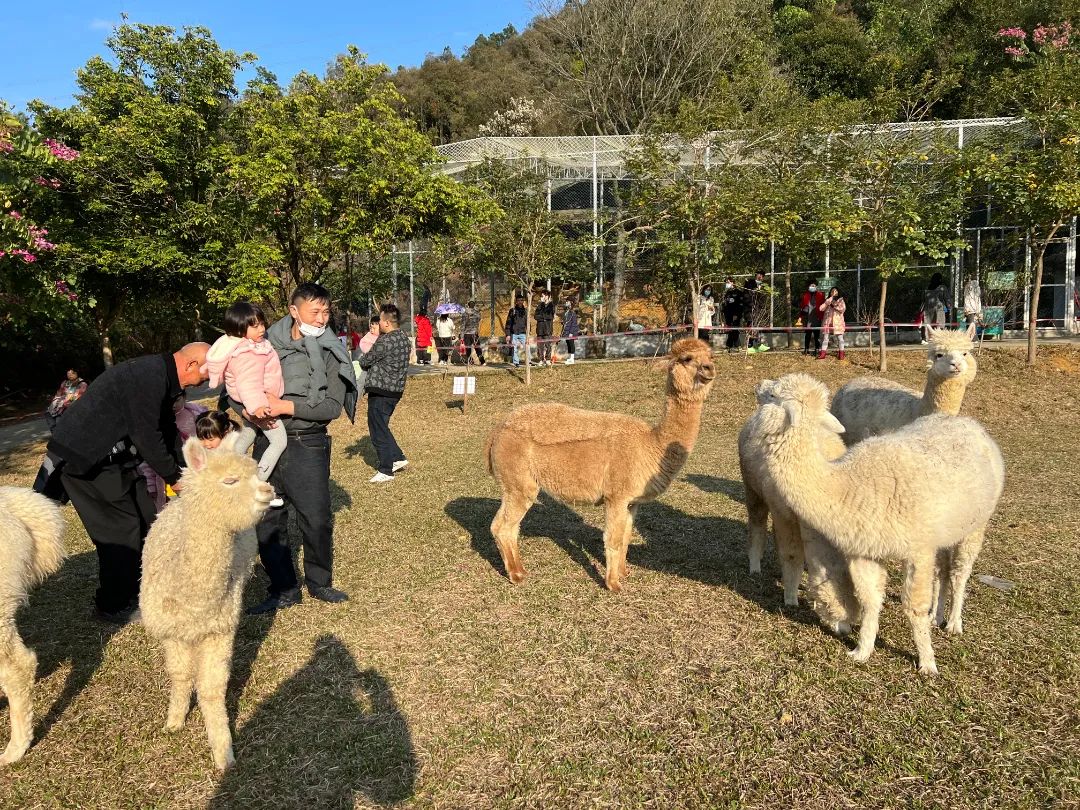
(387, 367)
(319, 382)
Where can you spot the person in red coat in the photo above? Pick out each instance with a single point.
(423, 339)
(810, 312)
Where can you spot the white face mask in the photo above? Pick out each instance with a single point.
(728, 286)
(813, 288)
(308, 330)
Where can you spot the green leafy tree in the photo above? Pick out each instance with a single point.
(1033, 170)
(328, 167)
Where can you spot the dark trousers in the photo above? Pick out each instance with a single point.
(570, 345)
(379, 411)
(544, 345)
(812, 334)
(733, 322)
(302, 478)
(472, 343)
(117, 511)
(443, 345)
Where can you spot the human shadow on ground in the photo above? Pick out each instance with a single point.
(365, 449)
(58, 625)
(339, 497)
(330, 735)
(705, 548)
(719, 486)
(250, 635)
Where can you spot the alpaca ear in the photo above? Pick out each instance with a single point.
(971, 331)
(831, 423)
(228, 444)
(763, 391)
(194, 454)
(793, 410)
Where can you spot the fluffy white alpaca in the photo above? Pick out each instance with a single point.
(871, 406)
(197, 559)
(31, 533)
(931, 485)
(829, 585)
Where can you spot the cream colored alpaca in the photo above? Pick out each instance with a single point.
(931, 485)
(829, 585)
(592, 457)
(197, 559)
(871, 406)
(31, 535)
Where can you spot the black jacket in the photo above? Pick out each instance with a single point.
(516, 321)
(733, 303)
(387, 364)
(545, 318)
(132, 402)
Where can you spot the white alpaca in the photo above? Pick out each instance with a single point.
(871, 406)
(31, 533)
(829, 584)
(929, 486)
(197, 559)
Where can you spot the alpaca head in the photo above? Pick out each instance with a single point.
(690, 369)
(949, 355)
(794, 401)
(223, 486)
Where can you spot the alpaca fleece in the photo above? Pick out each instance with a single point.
(31, 532)
(597, 458)
(932, 485)
(197, 559)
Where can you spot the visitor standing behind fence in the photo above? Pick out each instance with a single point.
(251, 371)
(70, 390)
(545, 326)
(754, 311)
(704, 314)
(444, 337)
(934, 307)
(570, 329)
(470, 330)
(423, 339)
(810, 312)
(732, 306)
(517, 324)
(387, 368)
(832, 323)
(972, 300)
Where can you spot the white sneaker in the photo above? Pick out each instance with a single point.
(570, 360)
(380, 478)
(400, 465)
(277, 503)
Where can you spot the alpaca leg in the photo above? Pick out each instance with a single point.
(941, 593)
(789, 547)
(757, 523)
(828, 583)
(617, 527)
(211, 679)
(868, 579)
(18, 666)
(918, 586)
(506, 527)
(180, 663)
(963, 560)
(625, 572)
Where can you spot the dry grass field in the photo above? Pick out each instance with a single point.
(442, 685)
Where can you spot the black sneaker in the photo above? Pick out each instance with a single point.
(328, 594)
(285, 599)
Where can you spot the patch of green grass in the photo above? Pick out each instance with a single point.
(439, 684)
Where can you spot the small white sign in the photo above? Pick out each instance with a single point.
(464, 385)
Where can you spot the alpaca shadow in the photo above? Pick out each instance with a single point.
(719, 486)
(250, 635)
(59, 627)
(339, 497)
(548, 518)
(365, 449)
(332, 734)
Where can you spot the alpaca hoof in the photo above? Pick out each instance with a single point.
(929, 669)
(791, 601)
(14, 752)
(955, 628)
(614, 585)
(860, 655)
(516, 576)
(841, 628)
(755, 566)
(172, 726)
(224, 759)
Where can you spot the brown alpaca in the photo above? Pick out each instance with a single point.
(596, 458)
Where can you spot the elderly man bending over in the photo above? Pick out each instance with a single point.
(125, 417)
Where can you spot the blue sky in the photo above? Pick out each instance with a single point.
(44, 43)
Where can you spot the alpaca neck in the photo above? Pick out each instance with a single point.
(680, 423)
(208, 550)
(943, 396)
(814, 485)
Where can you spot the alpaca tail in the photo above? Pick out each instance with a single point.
(43, 521)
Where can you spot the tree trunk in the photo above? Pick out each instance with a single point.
(528, 329)
(619, 285)
(1033, 309)
(883, 360)
(788, 300)
(106, 348)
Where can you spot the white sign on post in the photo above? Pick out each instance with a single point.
(464, 385)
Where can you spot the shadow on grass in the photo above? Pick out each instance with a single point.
(59, 627)
(719, 486)
(709, 549)
(365, 449)
(339, 497)
(332, 735)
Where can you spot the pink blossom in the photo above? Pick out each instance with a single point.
(15, 215)
(47, 182)
(60, 151)
(6, 147)
(1015, 52)
(25, 255)
(1017, 33)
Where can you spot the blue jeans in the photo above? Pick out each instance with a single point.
(519, 344)
(302, 478)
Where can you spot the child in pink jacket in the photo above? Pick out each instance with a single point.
(252, 373)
